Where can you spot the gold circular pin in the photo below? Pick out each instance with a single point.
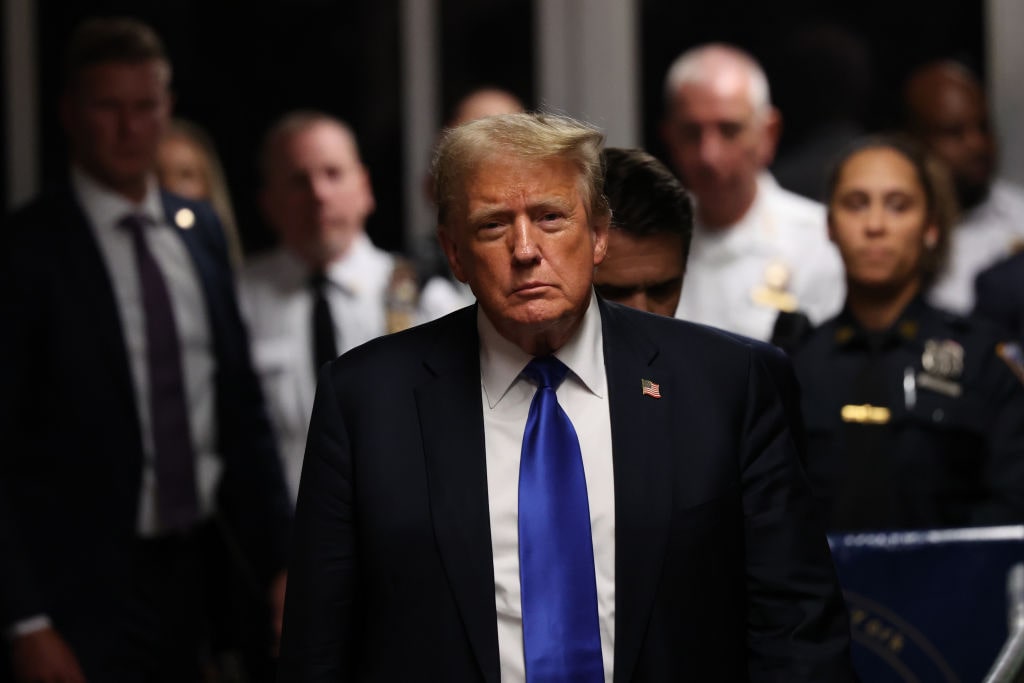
(184, 218)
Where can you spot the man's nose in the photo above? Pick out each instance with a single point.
(524, 243)
(710, 148)
(319, 188)
(637, 300)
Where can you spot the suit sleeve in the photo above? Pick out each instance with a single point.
(998, 299)
(797, 624)
(19, 594)
(1004, 472)
(318, 637)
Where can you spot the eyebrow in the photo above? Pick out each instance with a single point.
(498, 209)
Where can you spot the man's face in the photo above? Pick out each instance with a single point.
(644, 272)
(317, 193)
(115, 114)
(520, 236)
(718, 143)
(955, 126)
(878, 218)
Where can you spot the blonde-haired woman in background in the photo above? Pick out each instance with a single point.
(188, 165)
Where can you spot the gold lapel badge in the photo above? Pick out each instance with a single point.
(184, 218)
(774, 291)
(865, 414)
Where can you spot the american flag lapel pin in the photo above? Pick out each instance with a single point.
(650, 388)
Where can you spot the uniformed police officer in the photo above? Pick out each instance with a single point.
(915, 417)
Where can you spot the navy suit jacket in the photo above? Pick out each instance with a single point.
(1000, 294)
(722, 571)
(71, 463)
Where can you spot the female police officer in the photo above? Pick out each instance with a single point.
(915, 417)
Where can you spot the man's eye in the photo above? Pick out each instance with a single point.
(730, 130)
(664, 290)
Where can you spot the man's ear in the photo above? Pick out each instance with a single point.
(600, 230)
(451, 251)
(770, 136)
(371, 201)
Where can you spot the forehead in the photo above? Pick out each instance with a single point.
(504, 177)
(319, 143)
(122, 78)
(641, 254)
(726, 96)
(878, 167)
(954, 102)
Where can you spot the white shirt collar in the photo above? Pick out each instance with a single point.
(501, 361)
(346, 273)
(104, 207)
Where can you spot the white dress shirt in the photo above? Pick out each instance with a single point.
(506, 404)
(278, 305)
(986, 234)
(728, 265)
(104, 209)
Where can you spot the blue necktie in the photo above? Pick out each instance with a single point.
(561, 637)
(177, 504)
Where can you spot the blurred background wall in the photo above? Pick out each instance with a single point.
(394, 68)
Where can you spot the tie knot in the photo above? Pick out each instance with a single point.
(317, 280)
(134, 222)
(546, 371)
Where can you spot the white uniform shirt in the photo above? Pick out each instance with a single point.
(441, 296)
(726, 265)
(506, 404)
(986, 234)
(278, 305)
(104, 209)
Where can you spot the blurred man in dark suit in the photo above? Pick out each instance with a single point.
(128, 403)
(465, 514)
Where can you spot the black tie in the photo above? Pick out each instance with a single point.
(174, 452)
(325, 346)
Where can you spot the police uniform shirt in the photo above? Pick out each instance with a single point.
(442, 295)
(918, 426)
(777, 257)
(986, 234)
(277, 301)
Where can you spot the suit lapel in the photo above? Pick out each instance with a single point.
(451, 423)
(641, 450)
(207, 267)
(90, 285)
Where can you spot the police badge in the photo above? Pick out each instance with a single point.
(943, 363)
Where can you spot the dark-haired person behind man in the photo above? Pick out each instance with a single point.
(651, 225)
(649, 239)
(465, 514)
(128, 404)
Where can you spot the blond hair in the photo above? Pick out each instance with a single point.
(529, 136)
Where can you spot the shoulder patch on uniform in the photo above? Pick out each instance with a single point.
(1013, 355)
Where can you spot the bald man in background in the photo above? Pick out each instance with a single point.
(757, 248)
(946, 110)
(327, 288)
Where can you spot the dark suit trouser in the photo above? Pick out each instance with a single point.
(155, 630)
